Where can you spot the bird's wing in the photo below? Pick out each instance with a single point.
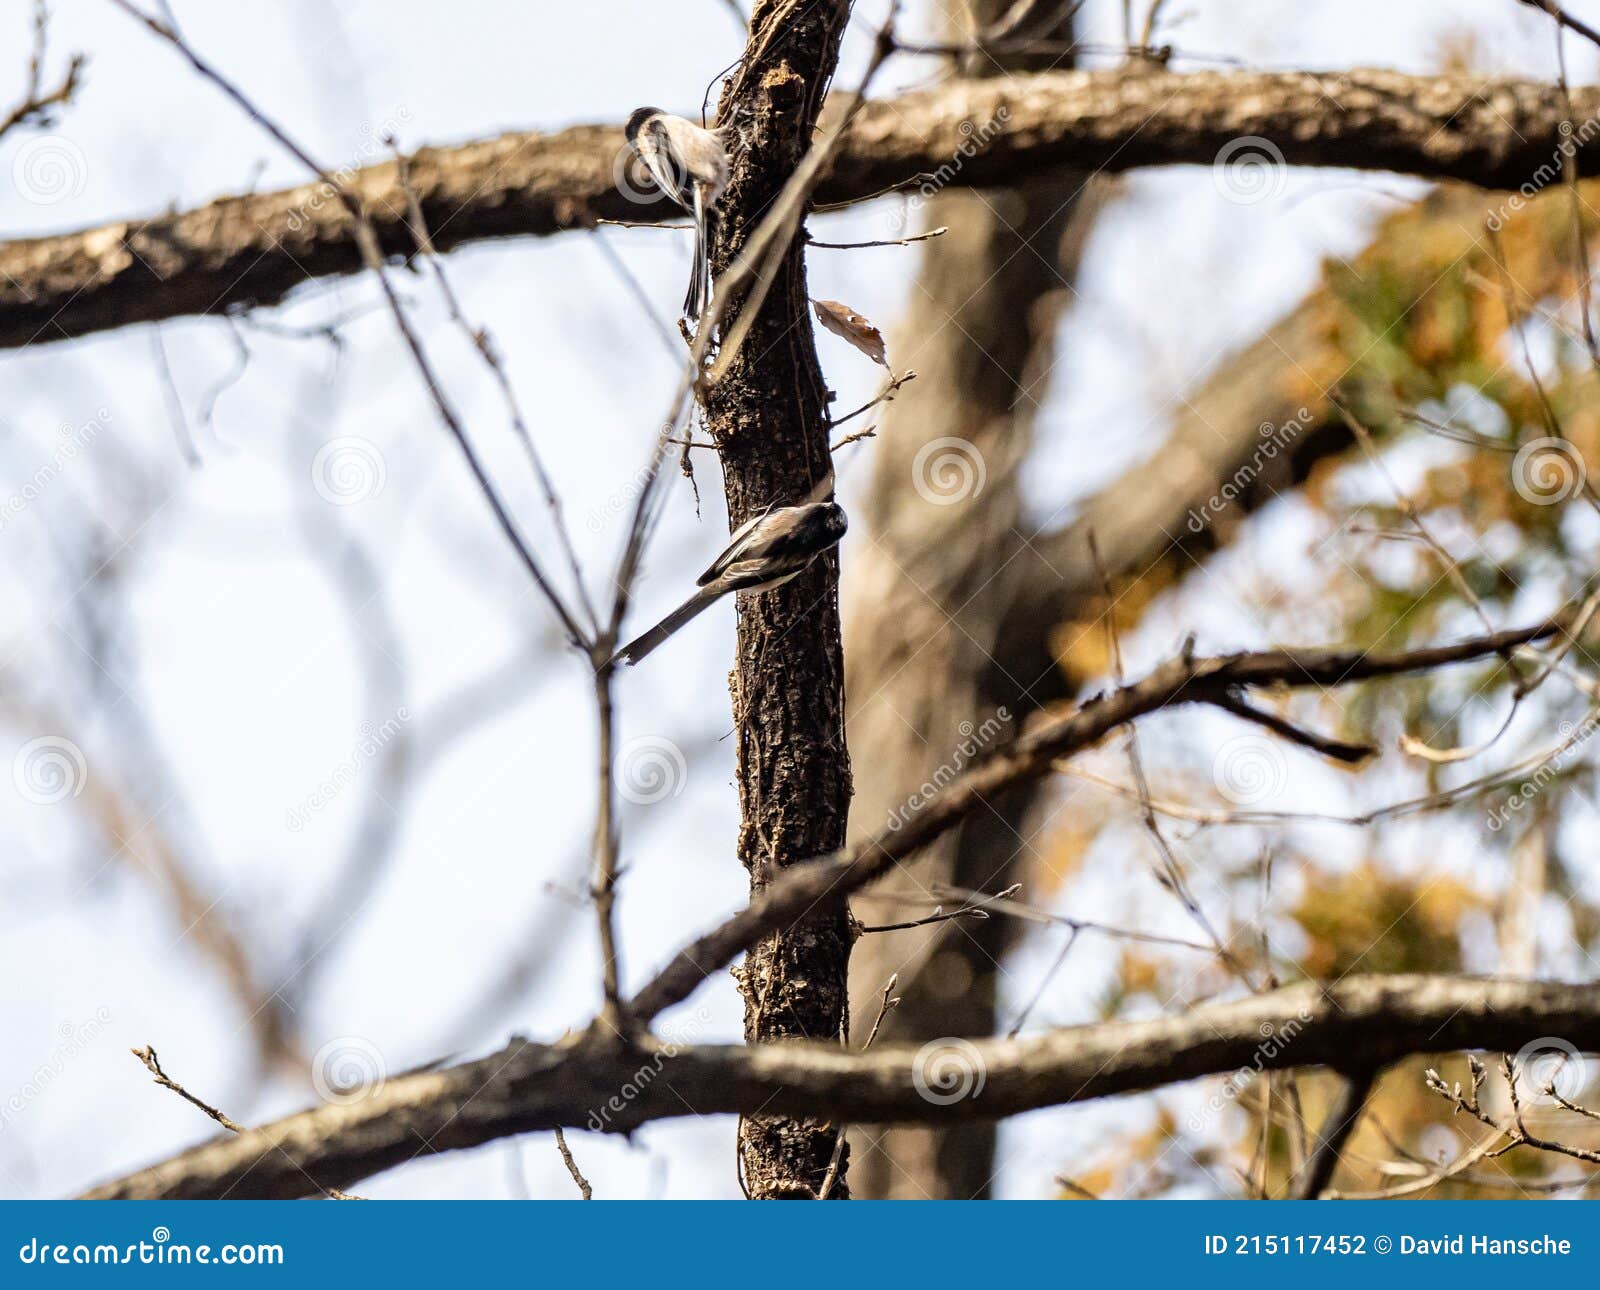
(760, 575)
(734, 550)
(655, 150)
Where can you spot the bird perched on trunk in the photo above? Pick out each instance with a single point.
(764, 552)
(690, 165)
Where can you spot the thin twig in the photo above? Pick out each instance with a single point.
(483, 345)
(372, 257)
(572, 1165)
(939, 915)
(1343, 1114)
(1565, 19)
(892, 241)
(152, 1063)
(36, 104)
(885, 395)
(885, 1006)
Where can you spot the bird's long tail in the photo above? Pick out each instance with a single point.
(697, 604)
(700, 276)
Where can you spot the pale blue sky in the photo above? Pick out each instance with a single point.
(251, 671)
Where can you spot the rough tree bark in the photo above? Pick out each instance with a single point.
(928, 594)
(255, 249)
(527, 1087)
(769, 418)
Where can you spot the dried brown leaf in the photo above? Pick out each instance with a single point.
(847, 324)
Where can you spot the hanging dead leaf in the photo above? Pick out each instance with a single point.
(846, 323)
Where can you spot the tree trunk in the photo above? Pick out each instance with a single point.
(928, 668)
(769, 417)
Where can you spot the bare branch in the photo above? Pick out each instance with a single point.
(1340, 1121)
(1180, 680)
(528, 1087)
(37, 104)
(572, 1166)
(255, 249)
(152, 1063)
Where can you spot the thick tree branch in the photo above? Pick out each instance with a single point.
(1045, 741)
(971, 133)
(594, 1082)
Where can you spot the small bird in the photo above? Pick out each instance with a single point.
(766, 551)
(690, 165)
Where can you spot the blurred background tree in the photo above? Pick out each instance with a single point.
(295, 753)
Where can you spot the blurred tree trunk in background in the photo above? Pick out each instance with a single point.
(927, 594)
